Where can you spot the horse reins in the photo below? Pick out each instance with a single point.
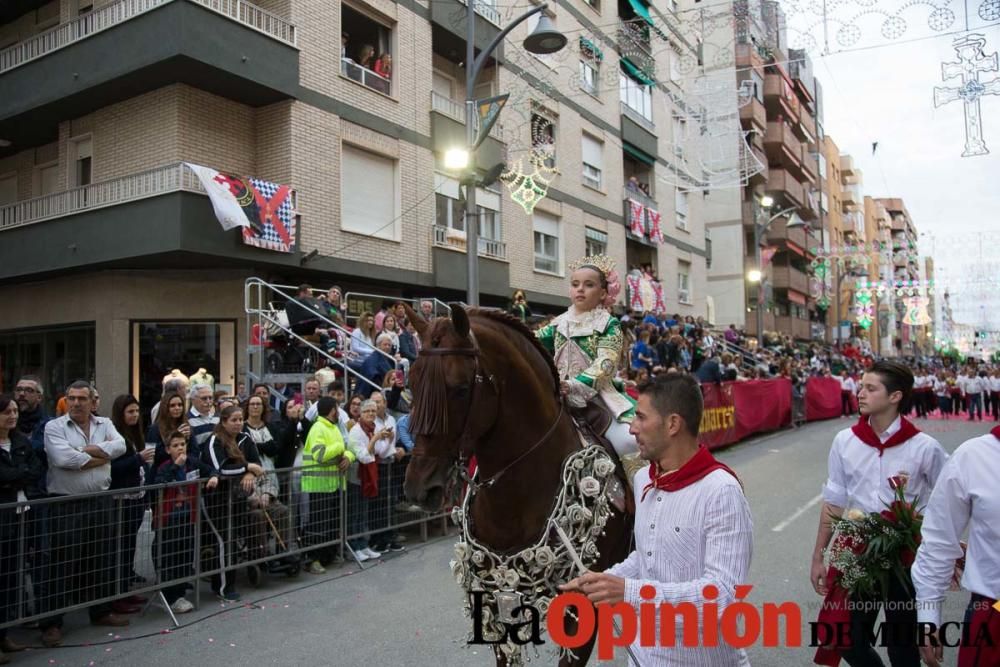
(465, 439)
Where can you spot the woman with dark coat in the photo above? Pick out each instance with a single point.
(129, 471)
(20, 472)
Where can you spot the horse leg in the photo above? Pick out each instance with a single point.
(579, 656)
(499, 657)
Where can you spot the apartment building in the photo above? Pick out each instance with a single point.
(114, 266)
(780, 122)
(905, 269)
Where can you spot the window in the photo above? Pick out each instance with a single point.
(680, 135)
(593, 161)
(449, 213)
(450, 209)
(369, 194)
(596, 242)
(824, 202)
(684, 281)
(8, 189)
(596, 4)
(822, 165)
(590, 74)
(681, 208)
(636, 96)
(48, 179)
(58, 355)
(543, 137)
(675, 65)
(361, 58)
(81, 152)
(546, 231)
(758, 85)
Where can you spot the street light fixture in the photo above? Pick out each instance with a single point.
(456, 158)
(544, 39)
(759, 228)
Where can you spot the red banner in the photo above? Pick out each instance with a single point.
(822, 398)
(735, 410)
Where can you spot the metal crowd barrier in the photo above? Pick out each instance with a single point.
(65, 553)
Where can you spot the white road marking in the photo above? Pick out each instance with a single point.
(795, 515)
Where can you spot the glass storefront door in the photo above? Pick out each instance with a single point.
(57, 355)
(160, 347)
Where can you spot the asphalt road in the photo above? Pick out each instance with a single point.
(406, 610)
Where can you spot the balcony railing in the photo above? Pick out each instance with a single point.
(453, 239)
(109, 16)
(488, 12)
(456, 111)
(365, 76)
(151, 183)
(638, 117)
(640, 197)
(787, 277)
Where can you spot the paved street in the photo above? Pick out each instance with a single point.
(405, 611)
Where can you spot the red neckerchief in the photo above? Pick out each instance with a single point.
(867, 435)
(996, 432)
(369, 429)
(698, 466)
(985, 621)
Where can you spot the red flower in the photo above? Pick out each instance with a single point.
(906, 557)
(896, 482)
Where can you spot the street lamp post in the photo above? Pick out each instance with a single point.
(544, 39)
(759, 228)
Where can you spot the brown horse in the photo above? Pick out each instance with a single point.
(485, 387)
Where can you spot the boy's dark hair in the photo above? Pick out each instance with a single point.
(326, 405)
(896, 377)
(175, 435)
(676, 394)
(336, 385)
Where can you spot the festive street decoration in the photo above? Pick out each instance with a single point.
(971, 63)
(916, 311)
(864, 308)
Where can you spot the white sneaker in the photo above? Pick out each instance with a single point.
(372, 553)
(361, 555)
(181, 606)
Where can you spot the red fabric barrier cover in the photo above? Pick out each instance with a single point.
(735, 410)
(822, 398)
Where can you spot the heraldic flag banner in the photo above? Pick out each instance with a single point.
(263, 209)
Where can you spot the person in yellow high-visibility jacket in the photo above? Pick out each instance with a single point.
(325, 460)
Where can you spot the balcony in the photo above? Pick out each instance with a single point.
(808, 210)
(788, 277)
(227, 47)
(747, 55)
(754, 114)
(783, 147)
(365, 76)
(448, 130)
(809, 167)
(847, 166)
(452, 239)
(780, 182)
(634, 43)
(640, 197)
(778, 233)
(779, 96)
(851, 198)
(797, 328)
(807, 126)
(150, 218)
(759, 177)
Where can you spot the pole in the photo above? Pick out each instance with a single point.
(837, 318)
(471, 215)
(760, 283)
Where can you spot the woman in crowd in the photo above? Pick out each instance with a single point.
(362, 340)
(409, 342)
(391, 328)
(233, 456)
(519, 306)
(20, 471)
(295, 427)
(383, 66)
(586, 342)
(129, 471)
(367, 57)
(368, 445)
(172, 417)
(353, 412)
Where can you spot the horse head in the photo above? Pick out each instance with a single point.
(455, 402)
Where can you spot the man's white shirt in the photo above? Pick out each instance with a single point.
(848, 384)
(684, 540)
(968, 489)
(859, 478)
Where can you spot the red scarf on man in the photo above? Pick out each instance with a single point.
(368, 472)
(867, 435)
(698, 466)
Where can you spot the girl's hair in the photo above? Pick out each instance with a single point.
(264, 416)
(5, 401)
(165, 424)
(228, 441)
(134, 439)
(370, 331)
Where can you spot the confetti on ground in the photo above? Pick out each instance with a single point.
(232, 645)
(210, 639)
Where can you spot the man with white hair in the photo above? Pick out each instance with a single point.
(201, 418)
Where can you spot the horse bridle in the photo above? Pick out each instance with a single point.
(466, 438)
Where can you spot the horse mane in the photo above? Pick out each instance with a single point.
(508, 320)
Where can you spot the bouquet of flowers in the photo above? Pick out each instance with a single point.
(870, 548)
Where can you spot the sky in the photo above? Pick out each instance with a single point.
(884, 92)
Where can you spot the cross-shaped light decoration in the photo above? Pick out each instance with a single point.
(971, 61)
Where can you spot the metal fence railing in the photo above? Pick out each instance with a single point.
(446, 237)
(67, 553)
(365, 76)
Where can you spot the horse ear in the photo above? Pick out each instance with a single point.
(418, 321)
(460, 320)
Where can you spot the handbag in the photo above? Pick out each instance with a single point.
(368, 476)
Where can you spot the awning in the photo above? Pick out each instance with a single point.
(587, 45)
(641, 10)
(795, 297)
(639, 155)
(636, 73)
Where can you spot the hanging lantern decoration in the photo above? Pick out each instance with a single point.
(864, 308)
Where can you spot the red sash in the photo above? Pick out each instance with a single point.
(868, 436)
(698, 466)
(985, 621)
